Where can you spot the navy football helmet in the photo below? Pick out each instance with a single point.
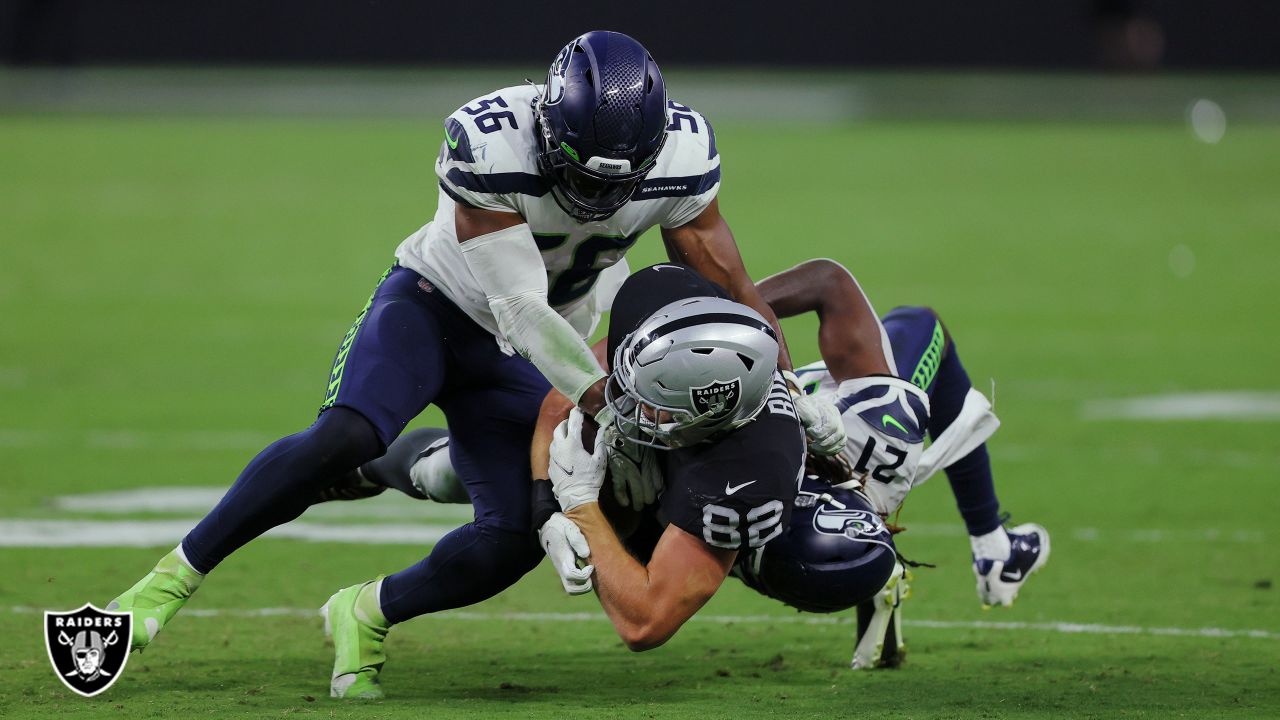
(601, 122)
(836, 553)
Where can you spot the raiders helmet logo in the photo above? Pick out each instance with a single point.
(719, 398)
(88, 647)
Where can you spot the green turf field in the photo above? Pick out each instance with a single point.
(172, 290)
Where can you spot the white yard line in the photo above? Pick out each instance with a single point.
(1236, 406)
(157, 533)
(438, 520)
(129, 439)
(1066, 628)
(200, 499)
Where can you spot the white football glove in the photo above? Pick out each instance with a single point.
(576, 474)
(565, 544)
(820, 417)
(637, 479)
(886, 418)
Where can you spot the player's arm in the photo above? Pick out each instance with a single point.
(649, 603)
(850, 336)
(500, 252)
(555, 408)
(706, 244)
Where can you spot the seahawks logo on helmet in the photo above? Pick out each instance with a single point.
(718, 398)
(555, 78)
(853, 524)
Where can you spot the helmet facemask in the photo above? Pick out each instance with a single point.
(657, 425)
(587, 194)
(696, 369)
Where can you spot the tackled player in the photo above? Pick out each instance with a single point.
(835, 552)
(542, 191)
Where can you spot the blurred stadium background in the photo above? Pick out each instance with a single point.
(196, 199)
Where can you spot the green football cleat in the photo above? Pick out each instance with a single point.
(157, 597)
(356, 624)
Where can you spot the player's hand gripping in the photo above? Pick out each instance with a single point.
(565, 544)
(820, 417)
(576, 473)
(634, 470)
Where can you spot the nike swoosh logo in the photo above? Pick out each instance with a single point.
(888, 420)
(731, 489)
(453, 142)
(1010, 576)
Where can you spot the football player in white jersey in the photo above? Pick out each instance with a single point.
(908, 361)
(542, 190)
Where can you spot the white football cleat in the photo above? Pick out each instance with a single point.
(880, 643)
(1000, 580)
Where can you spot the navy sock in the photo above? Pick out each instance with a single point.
(970, 476)
(470, 564)
(280, 483)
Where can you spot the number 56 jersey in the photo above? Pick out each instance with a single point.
(489, 161)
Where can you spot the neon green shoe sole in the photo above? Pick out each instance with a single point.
(157, 597)
(358, 629)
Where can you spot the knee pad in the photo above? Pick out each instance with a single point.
(344, 438)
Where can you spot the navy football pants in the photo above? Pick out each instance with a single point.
(926, 355)
(409, 347)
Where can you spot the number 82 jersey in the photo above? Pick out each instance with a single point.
(488, 160)
(737, 492)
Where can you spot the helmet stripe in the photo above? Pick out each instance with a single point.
(705, 319)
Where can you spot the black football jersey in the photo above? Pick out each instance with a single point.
(736, 492)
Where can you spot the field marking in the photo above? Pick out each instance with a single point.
(201, 498)
(158, 533)
(1237, 406)
(1065, 628)
(439, 520)
(130, 439)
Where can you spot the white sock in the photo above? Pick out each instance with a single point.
(992, 546)
(182, 556)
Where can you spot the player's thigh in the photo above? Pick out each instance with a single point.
(490, 428)
(919, 341)
(391, 364)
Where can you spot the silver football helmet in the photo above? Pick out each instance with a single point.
(694, 369)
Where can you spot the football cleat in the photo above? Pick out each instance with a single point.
(157, 597)
(879, 642)
(358, 629)
(1000, 580)
(352, 486)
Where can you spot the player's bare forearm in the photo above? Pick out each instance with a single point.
(648, 604)
(850, 336)
(555, 408)
(706, 244)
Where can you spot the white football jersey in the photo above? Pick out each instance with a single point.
(489, 161)
(974, 425)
